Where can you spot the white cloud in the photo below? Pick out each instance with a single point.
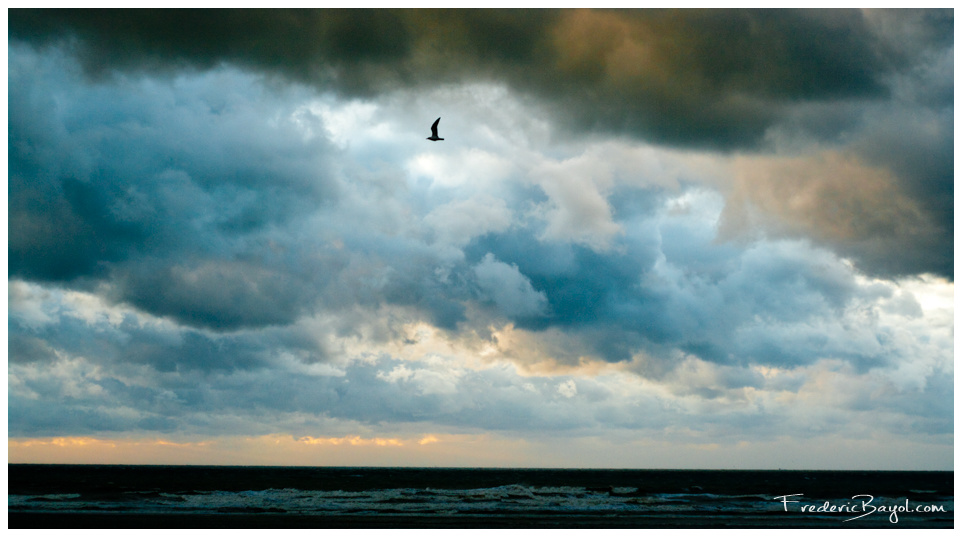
(29, 303)
(346, 124)
(577, 210)
(457, 222)
(568, 388)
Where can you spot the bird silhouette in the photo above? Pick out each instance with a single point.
(434, 131)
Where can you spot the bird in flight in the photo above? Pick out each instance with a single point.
(434, 131)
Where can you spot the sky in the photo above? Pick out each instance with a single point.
(649, 239)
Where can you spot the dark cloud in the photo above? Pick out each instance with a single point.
(716, 78)
(919, 148)
(219, 295)
(221, 221)
(302, 44)
(49, 416)
(698, 298)
(725, 79)
(174, 193)
(722, 79)
(26, 348)
(863, 211)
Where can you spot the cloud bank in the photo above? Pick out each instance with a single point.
(226, 223)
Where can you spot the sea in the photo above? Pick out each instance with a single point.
(119, 496)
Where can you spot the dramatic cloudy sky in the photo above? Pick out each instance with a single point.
(715, 239)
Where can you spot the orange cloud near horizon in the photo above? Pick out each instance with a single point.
(349, 450)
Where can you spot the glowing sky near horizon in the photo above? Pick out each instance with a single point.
(669, 239)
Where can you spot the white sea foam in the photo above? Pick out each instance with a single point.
(516, 499)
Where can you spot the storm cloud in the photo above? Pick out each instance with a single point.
(679, 85)
(639, 223)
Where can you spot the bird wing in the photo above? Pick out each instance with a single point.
(434, 127)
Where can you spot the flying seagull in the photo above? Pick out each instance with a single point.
(434, 131)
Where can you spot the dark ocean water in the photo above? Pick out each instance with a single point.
(113, 496)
